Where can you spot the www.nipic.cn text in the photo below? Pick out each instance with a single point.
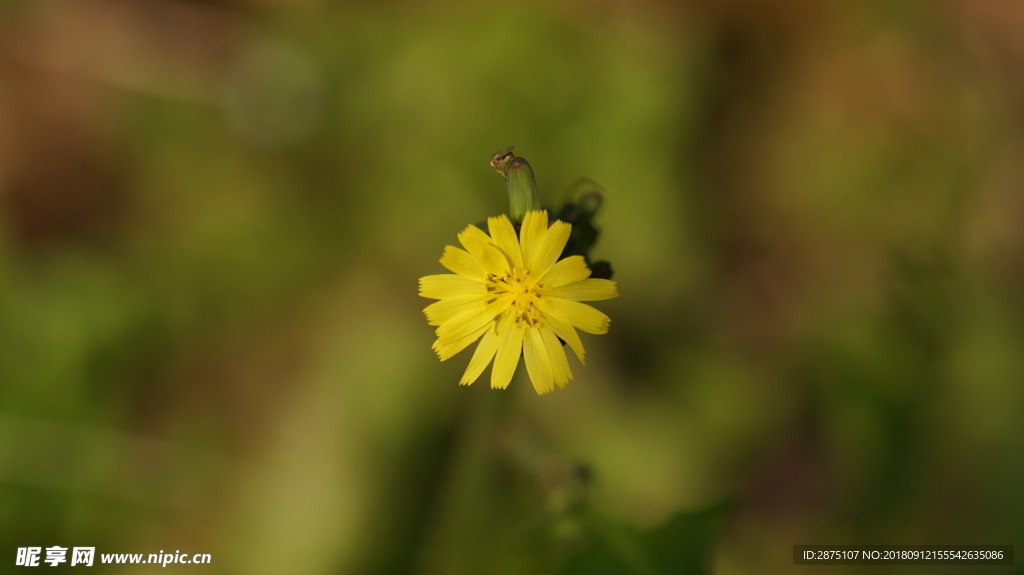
(86, 557)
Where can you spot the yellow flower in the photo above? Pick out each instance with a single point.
(517, 298)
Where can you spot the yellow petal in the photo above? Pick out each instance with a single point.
(559, 363)
(449, 308)
(481, 357)
(462, 263)
(566, 271)
(531, 234)
(480, 247)
(441, 286)
(574, 313)
(538, 364)
(504, 236)
(471, 320)
(449, 348)
(590, 289)
(510, 347)
(569, 335)
(547, 252)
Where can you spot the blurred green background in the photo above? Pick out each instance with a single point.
(213, 217)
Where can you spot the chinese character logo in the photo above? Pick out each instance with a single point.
(83, 556)
(28, 556)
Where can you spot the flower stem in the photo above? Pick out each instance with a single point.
(453, 542)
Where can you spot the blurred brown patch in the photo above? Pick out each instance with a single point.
(65, 69)
(60, 179)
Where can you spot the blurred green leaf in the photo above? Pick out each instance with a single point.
(680, 545)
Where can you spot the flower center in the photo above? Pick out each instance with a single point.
(525, 291)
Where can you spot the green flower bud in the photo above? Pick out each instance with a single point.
(519, 182)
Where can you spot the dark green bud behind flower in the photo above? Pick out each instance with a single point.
(583, 200)
(581, 205)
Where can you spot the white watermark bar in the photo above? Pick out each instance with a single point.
(903, 555)
(87, 557)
